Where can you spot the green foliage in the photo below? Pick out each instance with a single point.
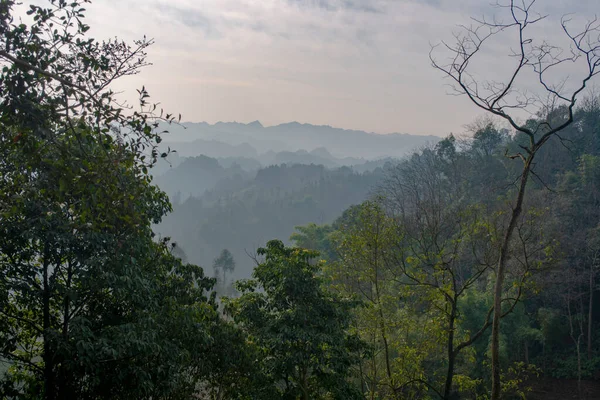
(298, 327)
(515, 380)
(365, 238)
(315, 237)
(428, 244)
(565, 366)
(90, 305)
(487, 140)
(223, 265)
(88, 297)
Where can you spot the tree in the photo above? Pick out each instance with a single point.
(315, 237)
(446, 244)
(90, 305)
(87, 295)
(578, 208)
(225, 264)
(542, 60)
(393, 366)
(298, 326)
(487, 139)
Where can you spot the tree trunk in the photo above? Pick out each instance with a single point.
(590, 313)
(579, 367)
(375, 384)
(304, 385)
(48, 357)
(496, 387)
(362, 376)
(386, 350)
(65, 388)
(577, 342)
(381, 316)
(451, 354)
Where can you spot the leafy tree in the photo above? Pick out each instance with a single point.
(315, 237)
(447, 243)
(427, 261)
(393, 367)
(224, 264)
(299, 327)
(90, 305)
(487, 139)
(232, 370)
(87, 296)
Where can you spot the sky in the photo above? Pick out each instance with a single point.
(357, 64)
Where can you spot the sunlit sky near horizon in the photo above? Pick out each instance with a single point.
(357, 64)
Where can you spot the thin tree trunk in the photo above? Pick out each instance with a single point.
(496, 387)
(305, 395)
(65, 389)
(67, 303)
(577, 343)
(48, 357)
(579, 348)
(590, 313)
(579, 366)
(381, 316)
(362, 376)
(385, 345)
(386, 350)
(451, 353)
(375, 384)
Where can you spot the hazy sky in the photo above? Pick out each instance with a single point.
(359, 64)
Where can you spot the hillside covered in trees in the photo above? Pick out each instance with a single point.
(296, 261)
(240, 214)
(420, 254)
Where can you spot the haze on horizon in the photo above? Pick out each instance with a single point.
(353, 64)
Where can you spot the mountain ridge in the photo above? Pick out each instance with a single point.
(294, 136)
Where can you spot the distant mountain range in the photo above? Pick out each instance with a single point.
(236, 186)
(253, 140)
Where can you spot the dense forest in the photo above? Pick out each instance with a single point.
(467, 269)
(242, 213)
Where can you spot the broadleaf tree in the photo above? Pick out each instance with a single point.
(91, 306)
(299, 327)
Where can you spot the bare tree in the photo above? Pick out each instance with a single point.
(508, 98)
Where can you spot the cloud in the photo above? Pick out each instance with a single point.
(352, 63)
(191, 18)
(368, 6)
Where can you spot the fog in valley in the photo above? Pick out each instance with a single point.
(235, 186)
